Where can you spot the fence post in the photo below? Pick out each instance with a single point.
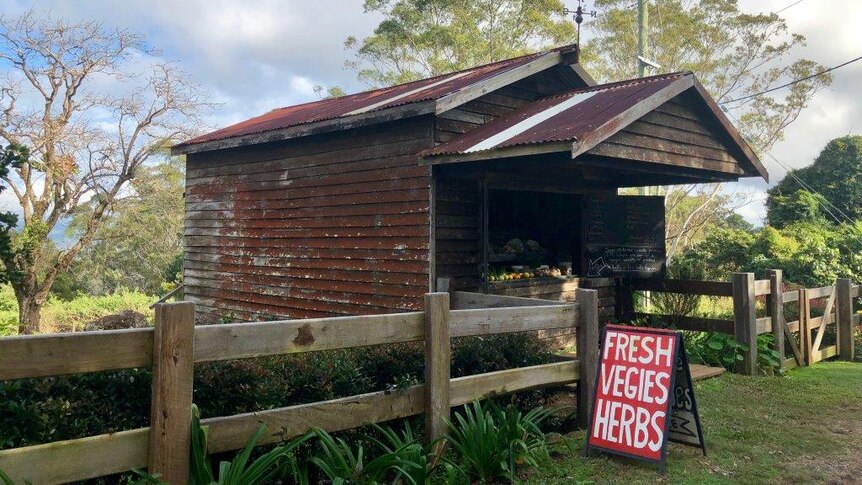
(437, 361)
(776, 312)
(588, 351)
(173, 382)
(844, 315)
(804, 330)
(744, 317)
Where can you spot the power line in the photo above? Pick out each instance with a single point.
(812, 191)
(806, 186)
(796, 81)
(797, 2)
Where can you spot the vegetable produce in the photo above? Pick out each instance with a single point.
(506, 275)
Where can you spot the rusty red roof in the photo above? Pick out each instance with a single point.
(423, 90)
(565, 117)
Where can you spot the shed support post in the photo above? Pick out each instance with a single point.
(172, 387)
(744, 317)
(624, 300)
(587, 351)
(844, 315)
(444, 285)
(776, 312)
(437, 361)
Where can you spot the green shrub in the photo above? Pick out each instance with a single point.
(34, 411)
(41, 410)
(63, 316)
(722, 350)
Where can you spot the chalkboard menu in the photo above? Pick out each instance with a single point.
(624, 236)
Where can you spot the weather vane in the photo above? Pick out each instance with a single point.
(578, 16)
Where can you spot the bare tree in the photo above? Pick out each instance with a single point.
(692, 209)
(93, 105)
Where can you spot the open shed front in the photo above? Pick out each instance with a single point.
(522, 205)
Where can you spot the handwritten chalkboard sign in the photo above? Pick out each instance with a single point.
(624, 236)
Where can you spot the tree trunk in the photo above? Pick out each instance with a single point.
(29, 310)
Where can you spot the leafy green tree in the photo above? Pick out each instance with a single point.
(736, 221)
(733, 53)
(797, 206)
(836, 174)
(421, 38)
(810, 254)
(328, 92)
(94, 108)
(137, 243)
(722, 252)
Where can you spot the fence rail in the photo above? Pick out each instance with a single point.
(805, 336)
(176, 344)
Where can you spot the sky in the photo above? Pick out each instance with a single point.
(254, 56)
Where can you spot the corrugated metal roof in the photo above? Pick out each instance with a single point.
(565, 117)
(378, 99)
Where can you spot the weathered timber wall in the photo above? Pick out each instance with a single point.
(334, 224)
(458, 231)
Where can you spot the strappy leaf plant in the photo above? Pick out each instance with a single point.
(242, 470)
(489, 442)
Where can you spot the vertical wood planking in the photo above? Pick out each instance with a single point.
(844, 317)
(437, 361)
(744, 316)
(776, 311)
(171, 406)
(587, 351)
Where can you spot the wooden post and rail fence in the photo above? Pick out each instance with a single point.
(805, 336)
(176, 344)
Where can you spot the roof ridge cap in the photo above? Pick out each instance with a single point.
(617, 84)
(437, 76)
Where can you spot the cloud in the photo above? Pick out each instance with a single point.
(243, 52)
(832, 36)
(254, 56)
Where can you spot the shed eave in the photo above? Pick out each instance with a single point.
(508, 152)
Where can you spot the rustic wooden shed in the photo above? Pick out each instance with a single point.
(358, 204)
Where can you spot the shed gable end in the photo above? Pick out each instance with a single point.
(675, 133)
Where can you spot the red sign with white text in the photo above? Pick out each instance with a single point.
(633, 392)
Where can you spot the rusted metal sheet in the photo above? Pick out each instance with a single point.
(565, 117)
(423, 90)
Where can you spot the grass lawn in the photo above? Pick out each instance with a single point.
(805, 427)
